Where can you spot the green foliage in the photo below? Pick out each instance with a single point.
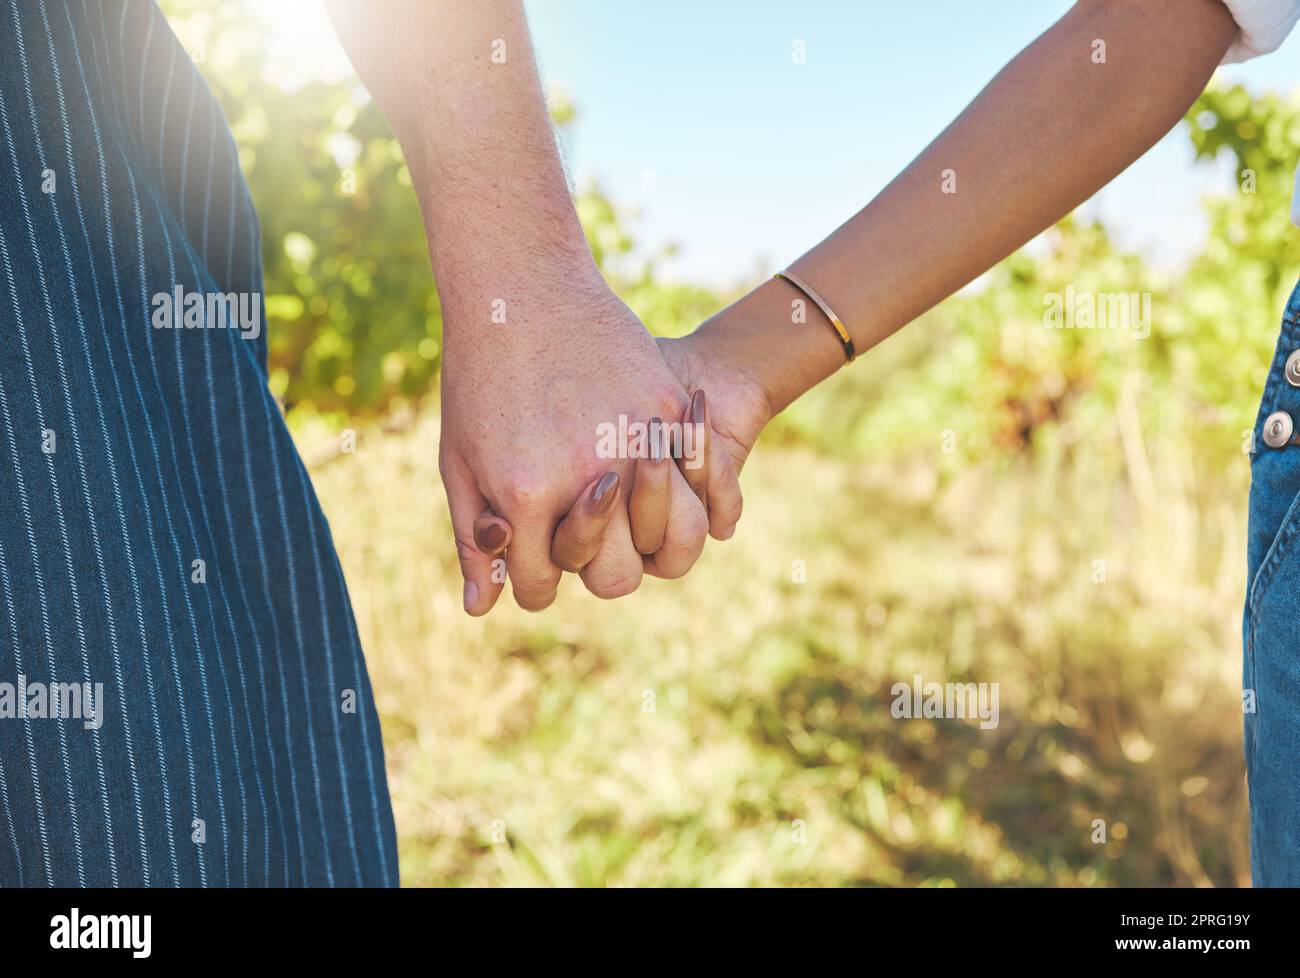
(984, 371)
(1231, 298)
(355, 326)
(953, 495)
(354, 323)
(734, 728)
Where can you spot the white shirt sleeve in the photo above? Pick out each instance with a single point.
(1262, 26)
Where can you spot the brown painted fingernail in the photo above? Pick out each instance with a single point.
(656, 439)
(492, 538)
(697, 407)
(602, 497)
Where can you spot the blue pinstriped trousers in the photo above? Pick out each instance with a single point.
(183, 698)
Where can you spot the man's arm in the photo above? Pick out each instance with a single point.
(459, 86)
(1049, 131)
(537, 351)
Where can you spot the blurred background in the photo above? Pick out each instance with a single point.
(980, 499)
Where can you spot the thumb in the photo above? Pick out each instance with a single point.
(484, 574)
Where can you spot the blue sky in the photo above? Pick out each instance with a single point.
(756, 158)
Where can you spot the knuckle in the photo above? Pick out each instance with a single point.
(536, 583)
(449, 463)
(730, 507)
(670, 403)
(670, 570)
(615, 586)
(678, 555)
(585, 539)
(466, 550)
(535, 597)
(692, 530)
(534, 604)
(525, 495)
(568, 564)
(647, 542)
(576, 549)
(673, 561)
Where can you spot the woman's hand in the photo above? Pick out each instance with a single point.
(738, 410)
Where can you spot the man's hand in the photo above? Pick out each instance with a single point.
(523, 405)
(537, 351)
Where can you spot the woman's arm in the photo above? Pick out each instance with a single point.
(1049, 131)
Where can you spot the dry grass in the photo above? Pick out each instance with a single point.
(522, 749)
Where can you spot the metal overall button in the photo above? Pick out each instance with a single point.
(1293, 368)
(1277, 429)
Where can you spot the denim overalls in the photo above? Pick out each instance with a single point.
(1271, 663)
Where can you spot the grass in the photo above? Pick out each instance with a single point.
(734, 728)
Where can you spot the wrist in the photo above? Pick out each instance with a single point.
(499, 244)
(524, 301)
(781, 345)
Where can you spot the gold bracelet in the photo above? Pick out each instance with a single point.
(845, 339)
